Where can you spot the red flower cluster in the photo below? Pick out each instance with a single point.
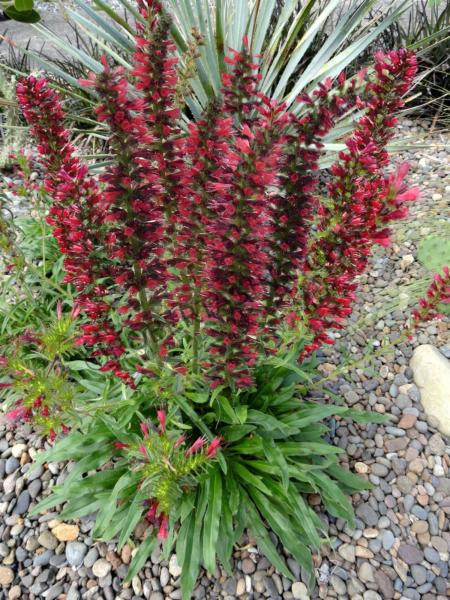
(438, 293)
(217, 226)
(74, 214)
(166, 467)
(361, 201)
(294, 206)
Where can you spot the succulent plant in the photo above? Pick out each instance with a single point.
(434, 253)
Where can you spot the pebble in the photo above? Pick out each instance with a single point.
(6, 575)
(347, 551)
(47, 540)
(75, 553)
(23, 502)
(384, 584)
(300, 591)
(11, 465)
(66, 533)
(174, 568)
(164, 576)
(367, 514)
(248, 566)
(18, 449)
(101, 567)
(366, 572)
(15, 593)
(388, 539)
(410, 554)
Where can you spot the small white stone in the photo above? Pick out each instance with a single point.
(300, 591)
(438, 471)
(174, 567)
(101, 567)
(406, 261)
(17, 450)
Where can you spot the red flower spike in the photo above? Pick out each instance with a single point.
(120, 445)
(363, 200)
(213, 447)
(161, 414)
(152, 511)
(163, 526)
(437, 293)
(199, 443)
(180, 440)
(144, 429)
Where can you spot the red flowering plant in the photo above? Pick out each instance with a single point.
(209, 263)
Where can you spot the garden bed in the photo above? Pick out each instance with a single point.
(399, 547)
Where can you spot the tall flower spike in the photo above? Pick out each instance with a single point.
(294, 205)
(134, 219)
(240, 224)
(361, 202)
(74, 213)
(154, 69)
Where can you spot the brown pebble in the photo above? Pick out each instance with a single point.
(112, 558)
(370, 532)
(407, 421)
(419, 527)
(126, 554)
(66, 533)
(417, 465)
(248, 566)
(361, 552)
(6, 575)
(396, 444)
(422, 499)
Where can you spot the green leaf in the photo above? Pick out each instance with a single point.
(233, 433)
(366, 416)
(23, 5)
(133, 517)
(269, 423)
(249, 478)
(305, 515)
(280, 522)
(311, 413)
(211, 522)
(351, 481)
(188, 547)
(29, 16)
(44, 505)
(335, 501)
(259, 532)
(275, 457)
(225, 538)
(82, 506)
(140, 558)
(108, 509)
(308, 448)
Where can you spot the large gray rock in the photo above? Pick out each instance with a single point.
(432, 376)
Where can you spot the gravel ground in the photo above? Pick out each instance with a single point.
(399, 548)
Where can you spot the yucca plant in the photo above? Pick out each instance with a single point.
(285, 34)
(425, 28)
